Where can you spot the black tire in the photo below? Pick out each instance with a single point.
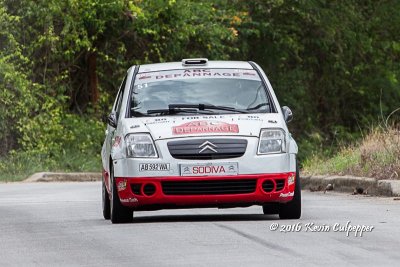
(105, 201)
(270, 208)
(118, 212)
(292, 209)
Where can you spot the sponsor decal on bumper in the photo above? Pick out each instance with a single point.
(289, 194)
(225, 168)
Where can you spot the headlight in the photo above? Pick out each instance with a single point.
(271, 141)
(140, 146)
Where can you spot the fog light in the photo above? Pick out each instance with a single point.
(149, 189)
(291, 179)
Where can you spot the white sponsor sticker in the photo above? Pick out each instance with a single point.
(145, 167)
(209, 169)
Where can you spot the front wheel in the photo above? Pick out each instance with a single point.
(292, 209)
(119, 213)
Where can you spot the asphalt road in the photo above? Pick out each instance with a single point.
(60, 224)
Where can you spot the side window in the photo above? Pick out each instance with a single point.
(118, 104)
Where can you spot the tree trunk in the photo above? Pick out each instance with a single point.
(93, 82)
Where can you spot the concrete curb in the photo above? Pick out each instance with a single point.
(348, 184)
(64, 177)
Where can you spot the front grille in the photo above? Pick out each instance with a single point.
(218, 148)
(280, 184)
(209, 187)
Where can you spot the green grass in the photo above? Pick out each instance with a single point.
(340, 163)
(19, 166)
(377, 155)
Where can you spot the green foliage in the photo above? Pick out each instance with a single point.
(58, 134)
(55, 142)
(17, 92)
(49, 116)
(331, 62)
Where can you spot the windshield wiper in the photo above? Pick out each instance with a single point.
(205, 107)
(174, 110)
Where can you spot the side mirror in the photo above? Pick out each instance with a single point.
(287, 114)
(112, 119)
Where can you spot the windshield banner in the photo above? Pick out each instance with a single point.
(197, 73)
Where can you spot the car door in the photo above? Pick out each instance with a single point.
(109, 140)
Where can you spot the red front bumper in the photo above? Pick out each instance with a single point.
(148, 193)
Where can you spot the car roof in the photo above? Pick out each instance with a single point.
(210, 64)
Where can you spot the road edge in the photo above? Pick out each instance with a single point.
(349, 184)
(63, 177)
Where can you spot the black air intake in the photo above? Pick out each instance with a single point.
(209, 187)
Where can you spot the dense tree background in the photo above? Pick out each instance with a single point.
(335, 63)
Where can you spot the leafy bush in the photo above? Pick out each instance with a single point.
(66, 143)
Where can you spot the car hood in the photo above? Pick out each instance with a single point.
(165, 127)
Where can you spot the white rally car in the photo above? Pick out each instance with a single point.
(198, 133)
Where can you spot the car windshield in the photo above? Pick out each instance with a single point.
(205, 91)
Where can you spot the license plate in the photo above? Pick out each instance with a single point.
(208, 169)
(145, 167)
